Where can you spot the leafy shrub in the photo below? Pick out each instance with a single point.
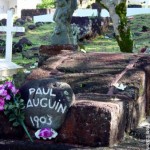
(46, 4)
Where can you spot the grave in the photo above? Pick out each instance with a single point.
(40, 95)
(111, 95)
(7, 67)
(103, 111)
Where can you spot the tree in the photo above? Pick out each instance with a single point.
(46, 4)
(118, 10)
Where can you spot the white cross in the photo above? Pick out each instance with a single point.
(9, 29)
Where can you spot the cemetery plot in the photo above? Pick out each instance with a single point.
(92, 76)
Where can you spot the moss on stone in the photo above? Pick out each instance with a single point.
(125, 41)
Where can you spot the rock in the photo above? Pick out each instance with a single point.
(84, 25)
(145, 29)
(38, 24)
(28, 19)
(90, 27)
(93, 123)
(7, 130)
(47, 102)
(134, 6)
(17, 47)
(25, 41)
(31, 27)
(19, 22)
(53, 50)
(18, 34)
(3, 22)
(2, 49)
(2, 42)
(139, 133)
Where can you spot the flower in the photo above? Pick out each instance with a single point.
(7, 90)
(46, 133)
(12, 105)
(3, 92)
(2, 103)
(10, 86)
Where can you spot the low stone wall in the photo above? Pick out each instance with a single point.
(34, 12)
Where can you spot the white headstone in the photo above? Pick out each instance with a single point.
(130, 12)
(85, 13)
(78, 12)
(9, 29)
(44, 18)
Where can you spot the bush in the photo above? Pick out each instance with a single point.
(46, 4)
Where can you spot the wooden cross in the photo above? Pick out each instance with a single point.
(9, 29)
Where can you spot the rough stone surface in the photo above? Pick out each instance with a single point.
(137, 92)
(19, 22)
(26, 13)
(32, 27)
(95, 123)
(47, 102)
(3, 22)
(88, 27)
(25, 41)
(53, 50)
(92, 77)
(18, 34)
(7, 130)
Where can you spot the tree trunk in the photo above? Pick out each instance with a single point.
(117, 10)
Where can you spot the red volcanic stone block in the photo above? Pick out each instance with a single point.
(93, 123)
(52, 50)
(7, 130)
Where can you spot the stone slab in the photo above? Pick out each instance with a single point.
(8, 69)
(130, 11)
(94, 123)
(47, 102)
(135, 80)
(91, 75)
(78, 12)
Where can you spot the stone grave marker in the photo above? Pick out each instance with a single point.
(85, 13)
(6, 63)
(47, 102)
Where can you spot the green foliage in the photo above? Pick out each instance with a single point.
(46, 4)
(15, 111)
(122, 11)
(125, 40)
